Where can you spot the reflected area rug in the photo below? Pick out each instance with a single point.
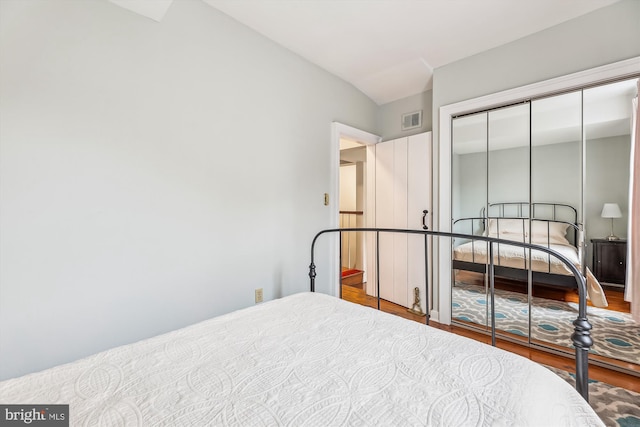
(615, 406)
(614, 334)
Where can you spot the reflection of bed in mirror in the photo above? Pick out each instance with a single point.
(553, 225)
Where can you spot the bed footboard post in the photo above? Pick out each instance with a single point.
(582, 341)
(312, 266)
(312, 276)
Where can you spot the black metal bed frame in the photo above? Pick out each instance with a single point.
(581, 336)
(521, 274)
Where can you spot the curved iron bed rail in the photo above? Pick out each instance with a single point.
(581, 336)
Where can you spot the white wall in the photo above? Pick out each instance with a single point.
(598, 38)
(152, 174)
(348, 182)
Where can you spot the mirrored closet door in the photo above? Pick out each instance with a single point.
(491, 165)
(607, 115)
(556, 196)
(508, 162)
(469, 201)
(543, 171)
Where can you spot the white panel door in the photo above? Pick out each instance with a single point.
(403, 192)
(418, 201)
(400, 197)
(384, 214)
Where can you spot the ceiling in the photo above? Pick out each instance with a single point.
(388, 49)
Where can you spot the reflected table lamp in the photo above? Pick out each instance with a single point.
(611, 210)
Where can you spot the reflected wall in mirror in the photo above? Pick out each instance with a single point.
(508, 157)
(470, 167)
(608, 143)
(556, 151)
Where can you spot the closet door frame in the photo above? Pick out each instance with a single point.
(442, 161)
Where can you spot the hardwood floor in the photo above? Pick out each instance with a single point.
(357, 295)
(352, 277)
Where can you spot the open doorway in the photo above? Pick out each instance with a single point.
(385, 185)
(356, 196)
(353, 158)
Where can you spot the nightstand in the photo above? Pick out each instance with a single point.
(610, 260)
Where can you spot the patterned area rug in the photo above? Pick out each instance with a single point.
(616, 406)
(615, 334)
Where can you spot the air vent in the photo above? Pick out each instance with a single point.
(412, 120)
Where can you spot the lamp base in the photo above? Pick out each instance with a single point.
(612, 237)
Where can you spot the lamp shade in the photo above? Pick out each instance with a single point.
(611, 210)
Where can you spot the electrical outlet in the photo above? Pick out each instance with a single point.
(259, 295)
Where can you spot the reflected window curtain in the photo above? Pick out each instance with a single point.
(632, 291)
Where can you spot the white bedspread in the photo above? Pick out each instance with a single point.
(516, 257)
(307, 359)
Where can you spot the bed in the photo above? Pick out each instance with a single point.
(553, 225)
(306, 359)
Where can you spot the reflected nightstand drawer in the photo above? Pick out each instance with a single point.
(610, 260)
